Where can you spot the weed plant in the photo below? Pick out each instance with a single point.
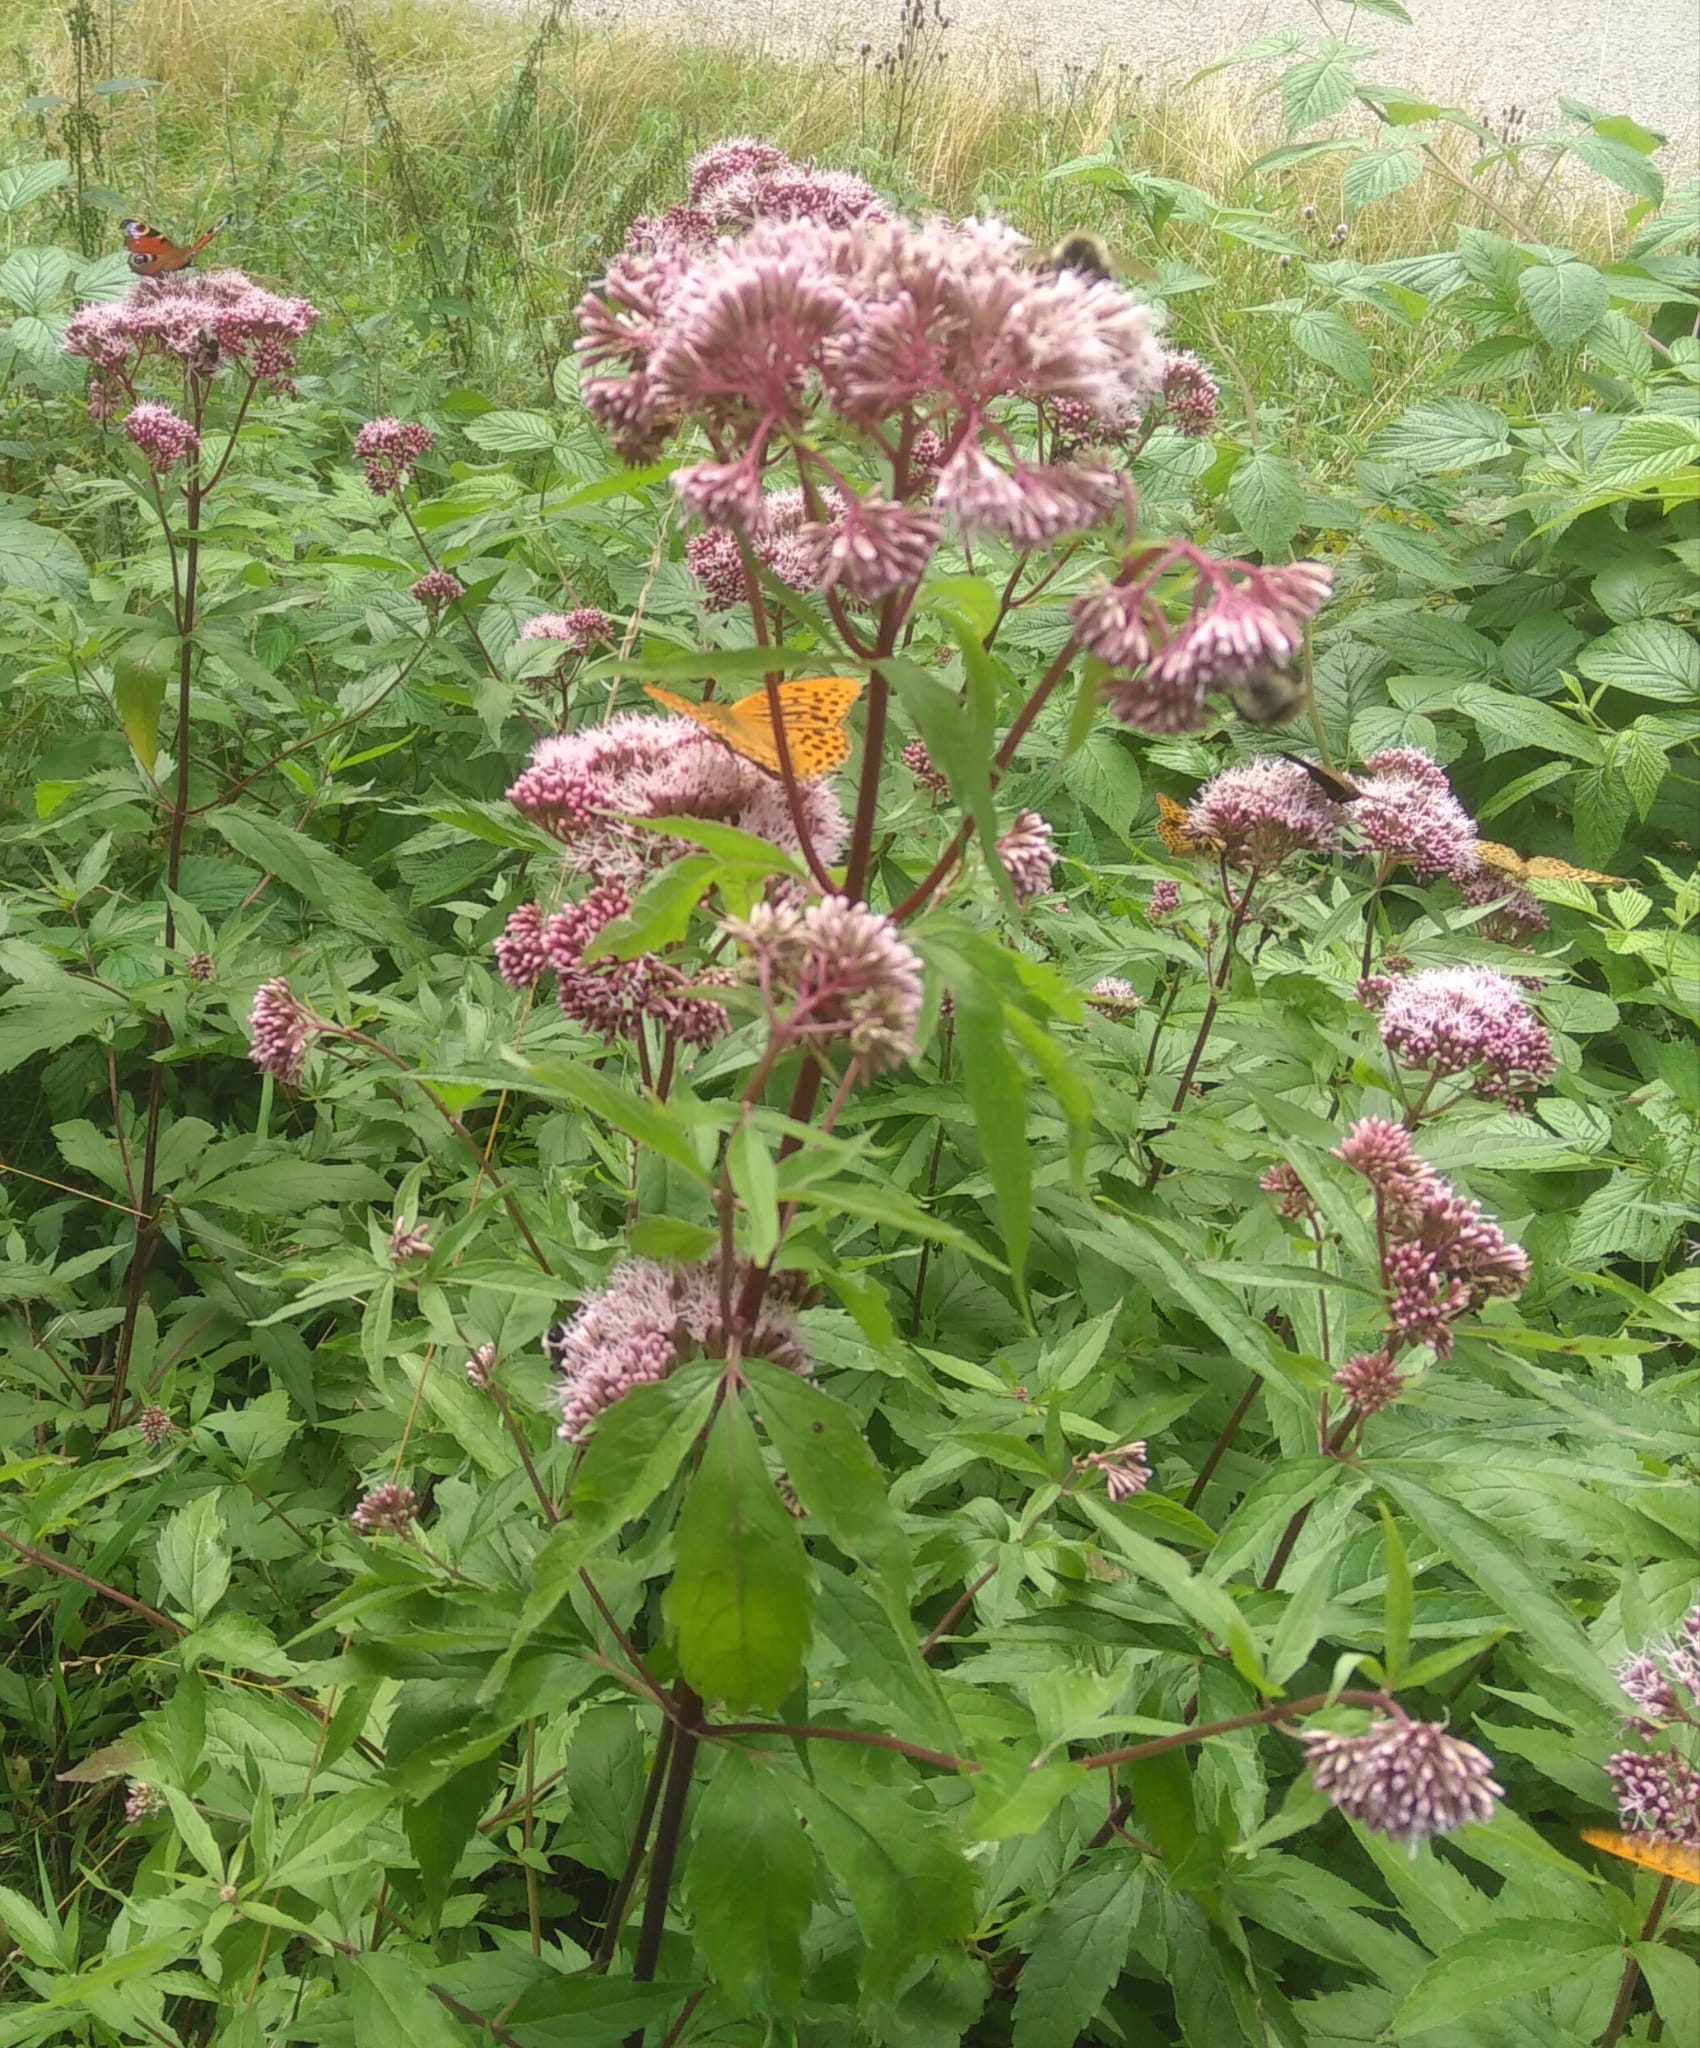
(850, 1132)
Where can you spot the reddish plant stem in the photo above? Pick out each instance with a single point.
(668, 1829)
(185, 592)
(1105, 1760)
(1230, 1429)
(1625, 1999)
(635, 1853)
(925, 889)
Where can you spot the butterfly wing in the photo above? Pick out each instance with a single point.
(1338, 788)
(1541, 868)
(153, 254)
(1506, 859)
(1669, 1859)
(814, 709)
(1176, 834)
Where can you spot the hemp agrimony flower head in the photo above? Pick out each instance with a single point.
(1263, 811)
(1114, 994)
(1449, 1020)
(388, 448)
(390, 1507)
(1407, 812)
(636, 1328)
(1028, 855)
(1407, 1780)
(1516, 917)
(1126, 1471)
(579, 630)
(578, 783)
(437, 589)
(163, 437)
(204, 319)
(280, 1028)
(1658, 1790)
(1441, 1258)
(835, 970)
(1658, 1795)
(1190, 394)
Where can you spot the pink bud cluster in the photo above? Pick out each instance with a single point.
(163, 437)
(608, 996)
(390, 1507)
(1246, 625)
(1028, 855)
(388, 448)
(437, 589)
(578, 785)
(839, 970)
(1126, 1471)
(648, 1316)
(1449, 1020)
(1262, 811)
(920, 764)
(1658, 1789)
(280, 1028)
(204, 319)
(1441, 1258)
(584, 627)
(1407, 1780)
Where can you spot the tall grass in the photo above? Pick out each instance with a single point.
(471, 170)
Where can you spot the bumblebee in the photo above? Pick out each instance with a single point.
(1081, 251)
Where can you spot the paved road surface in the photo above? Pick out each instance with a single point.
(1640, 57)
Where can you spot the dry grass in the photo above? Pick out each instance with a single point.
(431, 162)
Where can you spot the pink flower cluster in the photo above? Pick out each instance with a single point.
(391, 1507)
(1451, 1019)
(740, 181)
(776, 539)
(927, 328)
(1126, 1471)
(1191, 398)
(1263, 810)
(389, 448)
(1292, 1198)
(1441, 1258)
(1246, 625)
(203, 318)
(579, 630)
(577, 785)
(920, 764)
(638, 1326)
(841, 971)
(1408, 813)
(1658, 1790)
(163, 436)
(608, 996)
(280, 1027)
(1028, 855)
(437, 589)
(1407, 1780)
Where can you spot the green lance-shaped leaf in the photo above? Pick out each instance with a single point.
(996, 1086)
(909, 1886)
(1075, 1953)
(138, 690)
(837, 1478)
(750, 1884)
(194, 1559)
(739, 1607)
(639, 1443)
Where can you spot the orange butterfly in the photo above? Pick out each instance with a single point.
(153, 254)
(1177, 835)
(1669, 1859)
(813, 709)
(1540, 868)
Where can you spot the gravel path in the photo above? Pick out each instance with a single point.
(1639, 57)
